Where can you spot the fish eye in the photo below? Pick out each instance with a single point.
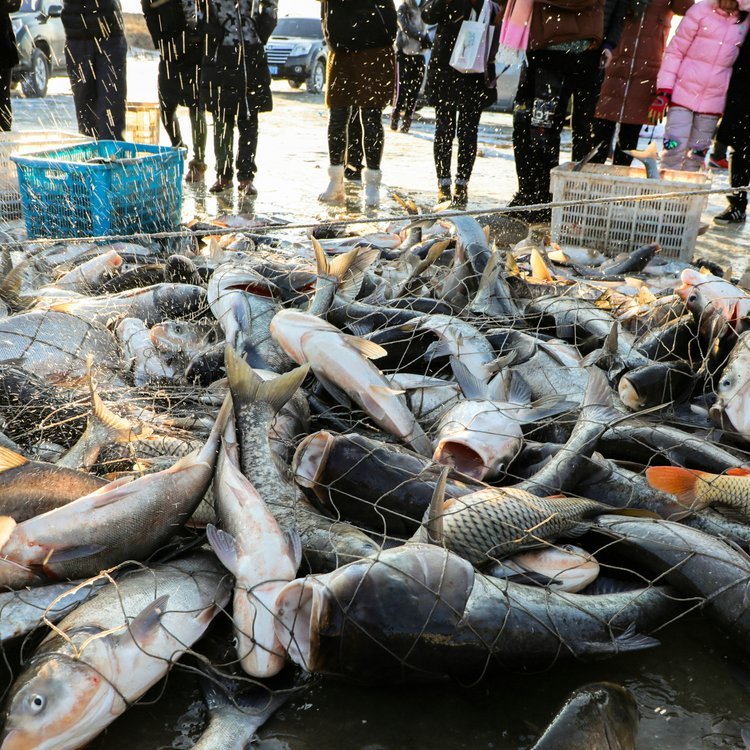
(177, 329)
(37, 703)
(693, 298)
(725, 383)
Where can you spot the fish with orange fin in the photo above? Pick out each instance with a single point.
(696, 490)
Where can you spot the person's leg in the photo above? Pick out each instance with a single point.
(6, 113)
(586, 81)
(604, 132)
(354, 154)
(522, 107)
(412, 83)
(373, 138)
(445, 130)
(398, 107)
(338, 123)
(739, 176)
(169, 97)
(247, 147)
(718, 157)
(468, 130)
(701, 135)
(676, 137)
(626, 141)
(79, 57)
(224, 120)
(200, 134)
(111, 87)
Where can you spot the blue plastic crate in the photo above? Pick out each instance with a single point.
(139, 190)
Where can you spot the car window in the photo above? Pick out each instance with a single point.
(31, 6)
(308, 28)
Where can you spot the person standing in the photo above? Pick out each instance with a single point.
(734, 130)
(354, 152)
(458, 98)
(568, 43)
(173, 25)
(630, 82)
(236, 83)
(412, 40)
(691, 88)
(8, 59)
(95, 53)
(361, 73)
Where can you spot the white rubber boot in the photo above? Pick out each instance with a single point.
(334, 193)
(371, 181)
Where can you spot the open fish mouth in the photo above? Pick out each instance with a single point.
(718, 416)
(462, 457)
(300, 607)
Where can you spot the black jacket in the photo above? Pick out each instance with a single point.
(92, 19)
(8, 51)
(350, 25)
(615, 12)
(735, 124)
(449, 16)
(174, 34)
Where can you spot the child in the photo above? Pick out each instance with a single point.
(693, 81)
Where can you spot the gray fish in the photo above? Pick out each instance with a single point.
(650, 158)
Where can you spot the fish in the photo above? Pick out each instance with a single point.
(184, 337)
(660, 383)
(371, 621)
(731, 410)
(325, 542)
(600, 715)
(90, 274)
(714, 301)
(635, 261)
(342, 364)
(107, 653)
(696, 490)
(252, 547)
(650, 158)
(138, 351)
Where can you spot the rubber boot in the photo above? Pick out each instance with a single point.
(371, 179)
(334, 193)
(460, 195)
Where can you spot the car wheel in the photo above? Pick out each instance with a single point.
(316, 81)
(34, 83)
(294, 84)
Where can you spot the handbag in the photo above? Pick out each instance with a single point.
(471, 50)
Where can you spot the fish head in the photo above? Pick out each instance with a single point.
(57, 703)
(731, 411)
(177, 336)
(289, 327)
(179, 300)
(310, 458)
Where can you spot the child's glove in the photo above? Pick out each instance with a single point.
(659, 107)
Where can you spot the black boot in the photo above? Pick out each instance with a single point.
(394, 120)
(460, 195)
(444, 191)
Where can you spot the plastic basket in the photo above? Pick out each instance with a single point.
(139, 190)
(25, 143)
(142, 120)
(625, 225)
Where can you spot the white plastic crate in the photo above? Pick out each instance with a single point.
(142, 122)
(25, 143)
(626, 225)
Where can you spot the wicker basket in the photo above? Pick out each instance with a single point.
(142, 123)
(625, 225)
(25, 143)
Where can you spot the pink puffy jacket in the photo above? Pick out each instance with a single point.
(698, 62)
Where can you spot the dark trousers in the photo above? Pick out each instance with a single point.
(627, 140)
(354, 153)
(6, 113)
(410, 75)
(739, 174)
(548, 80)
(175, 87)
(372, 133)
(452, 121)
(96, 68)
(246, 122)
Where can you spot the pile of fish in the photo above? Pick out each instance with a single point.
(435, 451)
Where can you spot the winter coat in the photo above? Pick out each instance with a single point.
(411, 29)
(173, 26)
(8, 51)
(92, 19)
(350, 25)
(698, 62)
(557, 21)
(735, 125)
(636, 60)
(234, 69)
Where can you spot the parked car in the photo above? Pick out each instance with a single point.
(297, 52)
(40, 38)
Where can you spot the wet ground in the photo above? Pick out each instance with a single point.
(693, 691)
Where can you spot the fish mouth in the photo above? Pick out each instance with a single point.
(629, 395)
(462, 457)
(300, 606)
(719, 417)
(13, 739)
(310, 458)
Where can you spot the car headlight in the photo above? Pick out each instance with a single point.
(300, 49)
(17, 25)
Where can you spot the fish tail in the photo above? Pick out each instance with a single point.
(10, 459)
(247, 387)
(118, 429)
(347, 269)
(539, 268)
(683, 483)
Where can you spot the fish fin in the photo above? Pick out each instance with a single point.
(74, 552)
(7, 524)
(731, 514)
(674, 480)
(491, 270)
(634, 513)
(548, 406)
(10, 288)
(434, 523)
(592, 358)
(63, 307)
(118, 429)
(10, 459)
(471, 386)
(630, 640)
(336, 393)
(500, 363)
(295, 547)
(225, 546)
(368, 349)
(578, 530)
(519, 391)
(147, 622)
(351, 280)
(386, 390)
(247, 386)
(439, 349)
(358, 329)
(738, 472)
(539, 269)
